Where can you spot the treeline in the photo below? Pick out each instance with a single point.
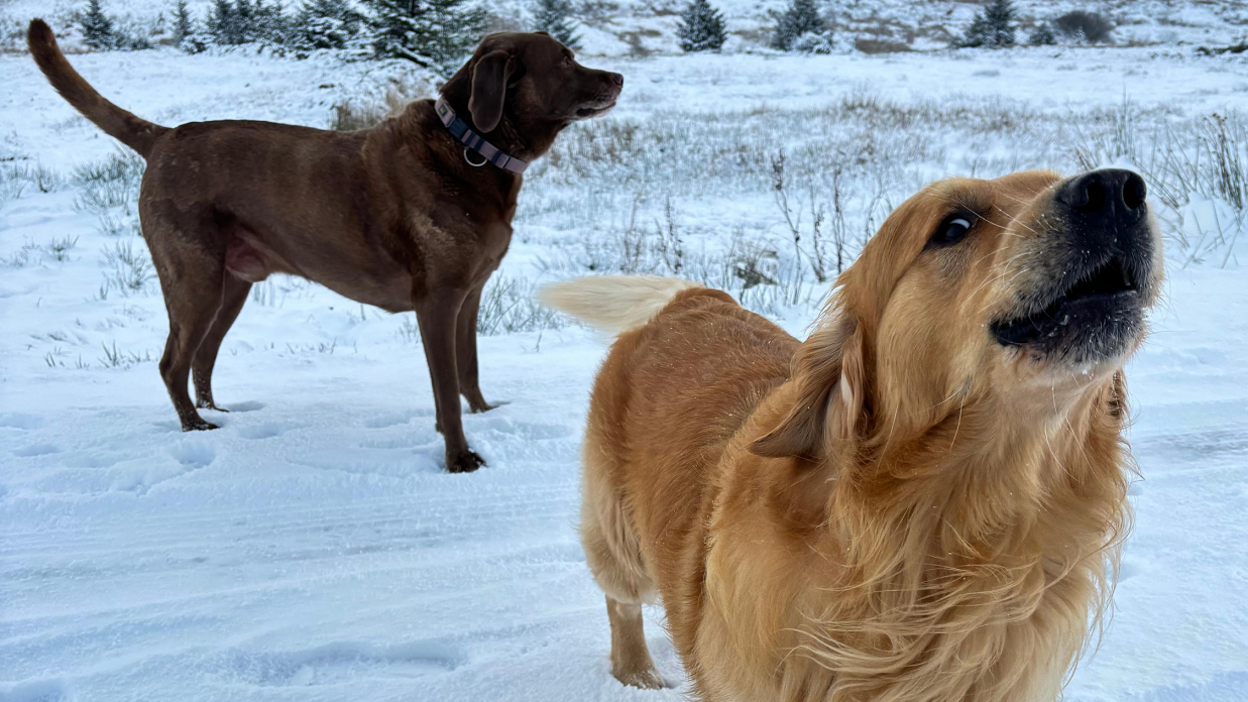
(437, 33)
(432, 33)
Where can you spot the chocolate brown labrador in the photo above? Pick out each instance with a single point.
(401, 216)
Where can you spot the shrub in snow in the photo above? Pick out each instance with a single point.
(554, 18)
(97, 28)
(245, 22)
(327, 24)
(992, 27)
(1042, 35)
(435, 34)
(270, 23)
(800, 19)
(701, 27)
(1086, 26)
(812, 43)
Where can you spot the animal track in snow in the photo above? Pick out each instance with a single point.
(35, 450)
(390, 419)
(193, 452)
(18, 420)
(264, 430)
(340, 662)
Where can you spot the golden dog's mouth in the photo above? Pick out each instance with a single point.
(1102, 274)
(1103, 305)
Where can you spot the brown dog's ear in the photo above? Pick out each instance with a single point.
(830, 370)
(489, 89)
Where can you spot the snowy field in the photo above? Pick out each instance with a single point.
(312, 548)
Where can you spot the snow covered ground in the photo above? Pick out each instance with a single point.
(312, 549)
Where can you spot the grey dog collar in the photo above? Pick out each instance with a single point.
(470, 139)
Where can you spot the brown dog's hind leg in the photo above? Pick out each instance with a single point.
(436, 314)
(233, 297)
(466, 352)
(189, 257)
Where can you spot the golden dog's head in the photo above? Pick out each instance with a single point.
(1023, 294)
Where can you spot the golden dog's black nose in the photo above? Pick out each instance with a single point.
(1106, 200)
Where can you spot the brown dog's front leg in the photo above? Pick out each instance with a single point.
(436, 313)
(466, 352)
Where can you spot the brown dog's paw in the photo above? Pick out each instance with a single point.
(198, 424)
(201, 404)
(647, 679)
(465, 462)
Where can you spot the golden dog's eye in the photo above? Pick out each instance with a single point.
(952, 230)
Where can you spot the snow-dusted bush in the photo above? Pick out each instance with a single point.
(327, 24)
(796, 24)
(701, 27)
(1042, 35)
(1085, 26)
(555, 18)
(814, 43)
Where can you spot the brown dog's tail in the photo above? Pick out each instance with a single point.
(138, 134)
(613, 303)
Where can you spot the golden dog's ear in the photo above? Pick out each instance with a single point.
(489, 89)
(848, 411)
(830, 370)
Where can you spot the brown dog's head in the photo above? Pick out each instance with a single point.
(1019, 296)
(530, 83)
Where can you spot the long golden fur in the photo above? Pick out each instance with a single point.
(919, 503)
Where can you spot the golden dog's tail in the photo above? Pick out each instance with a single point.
(138, 134)
(613, 303)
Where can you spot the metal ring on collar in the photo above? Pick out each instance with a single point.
(467, 160)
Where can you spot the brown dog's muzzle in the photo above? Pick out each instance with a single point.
(610, 84)
(1093, 259)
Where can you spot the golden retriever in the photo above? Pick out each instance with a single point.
(922, 502)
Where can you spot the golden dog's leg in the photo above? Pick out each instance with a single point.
(630, 659)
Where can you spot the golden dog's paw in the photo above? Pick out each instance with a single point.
(648, 679)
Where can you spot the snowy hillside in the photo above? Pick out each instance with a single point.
(312, 548)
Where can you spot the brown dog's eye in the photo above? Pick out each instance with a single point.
(952, 230)
(566, 62)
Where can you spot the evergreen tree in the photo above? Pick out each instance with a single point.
(243, 26)
(97, 28)
(701, 27)
(269, 24)
(554, 18)
(992, 26)
(435, 34)
(223, 24)
(183, 25)
(1000, 16)
(327, 24)
(799, 25)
